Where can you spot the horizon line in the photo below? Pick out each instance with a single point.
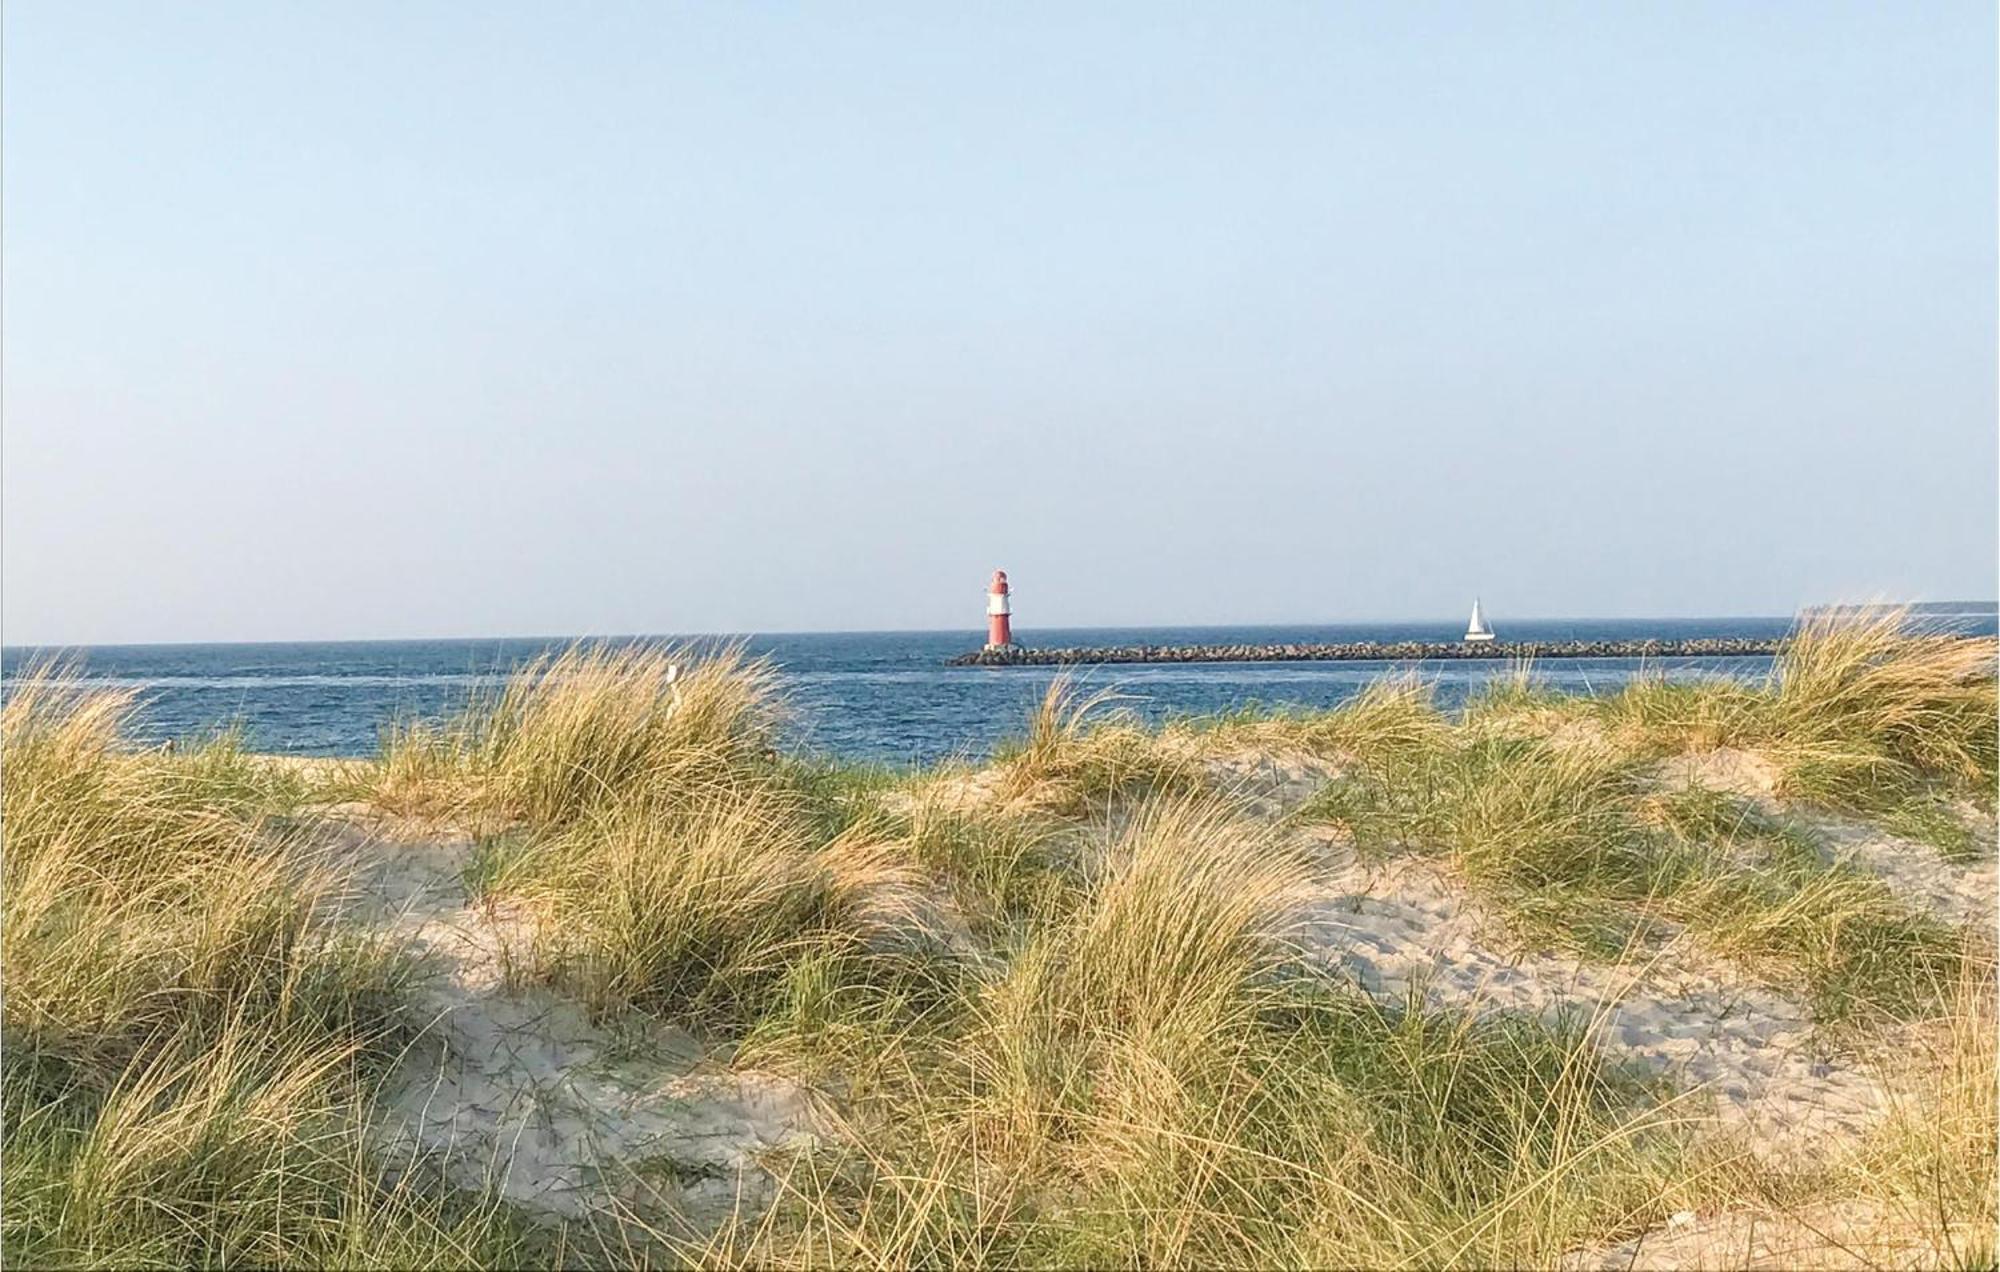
(1935, 608)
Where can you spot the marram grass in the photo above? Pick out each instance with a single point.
(1054, 1010)
(188, 1037)
(589, 728)
(1151, 1080)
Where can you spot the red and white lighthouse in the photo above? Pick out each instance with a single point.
(999, 630)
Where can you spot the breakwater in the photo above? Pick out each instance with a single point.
(1370, 651)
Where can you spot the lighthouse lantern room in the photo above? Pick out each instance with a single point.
(999, 629)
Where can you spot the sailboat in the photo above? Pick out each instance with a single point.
(1477, 628)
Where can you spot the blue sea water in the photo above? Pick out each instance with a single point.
(879, 696)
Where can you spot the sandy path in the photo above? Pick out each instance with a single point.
(514, 1087)
(1743, 1051)
(1955, 891)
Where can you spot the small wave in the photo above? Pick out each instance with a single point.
(261, 682)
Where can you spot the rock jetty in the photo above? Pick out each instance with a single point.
(1369, 651)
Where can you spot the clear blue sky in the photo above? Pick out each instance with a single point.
(354, 319)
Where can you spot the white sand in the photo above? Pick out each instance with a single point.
(1726, 769)
(1846, 1235)
(1270, 785)
(1744, 1052)
(1957, 892)
(515, 1086)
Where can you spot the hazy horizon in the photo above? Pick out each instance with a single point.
(370, 321)
(973, 630)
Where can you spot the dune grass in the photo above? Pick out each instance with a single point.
(1582, 850)
(708, 911)
(1080, 753)
(221, 1148)
(589, 727)
(1932, 1164)
(1763, 892)
(1869, 715)
(147, 891)
(1556, 806)
(631, 797)
(188, 1037)
(1118, 1066)
(1053, 1048)
(1884, 704)
(1055, 1008)
(1149, 1079)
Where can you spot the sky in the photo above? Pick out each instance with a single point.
(357, 320)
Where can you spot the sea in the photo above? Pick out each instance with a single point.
(880, 697)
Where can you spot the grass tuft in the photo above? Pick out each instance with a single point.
(189, 1035)
(1077, 756)
(573, 733)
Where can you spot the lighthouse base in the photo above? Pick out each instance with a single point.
(1005, 648)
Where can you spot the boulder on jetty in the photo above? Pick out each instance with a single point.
(1371, 651)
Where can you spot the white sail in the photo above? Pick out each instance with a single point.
(1477, 628)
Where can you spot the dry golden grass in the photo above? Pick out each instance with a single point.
(589, 727)
(1148, 1079)
(696, 911)
(1868, 717)
(188, 1034)
(1049, 1035)
(143, 889)
(1859, 712)
(1080, 756)
(1931, 1166)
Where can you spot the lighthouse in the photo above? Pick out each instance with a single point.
(999, 630)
